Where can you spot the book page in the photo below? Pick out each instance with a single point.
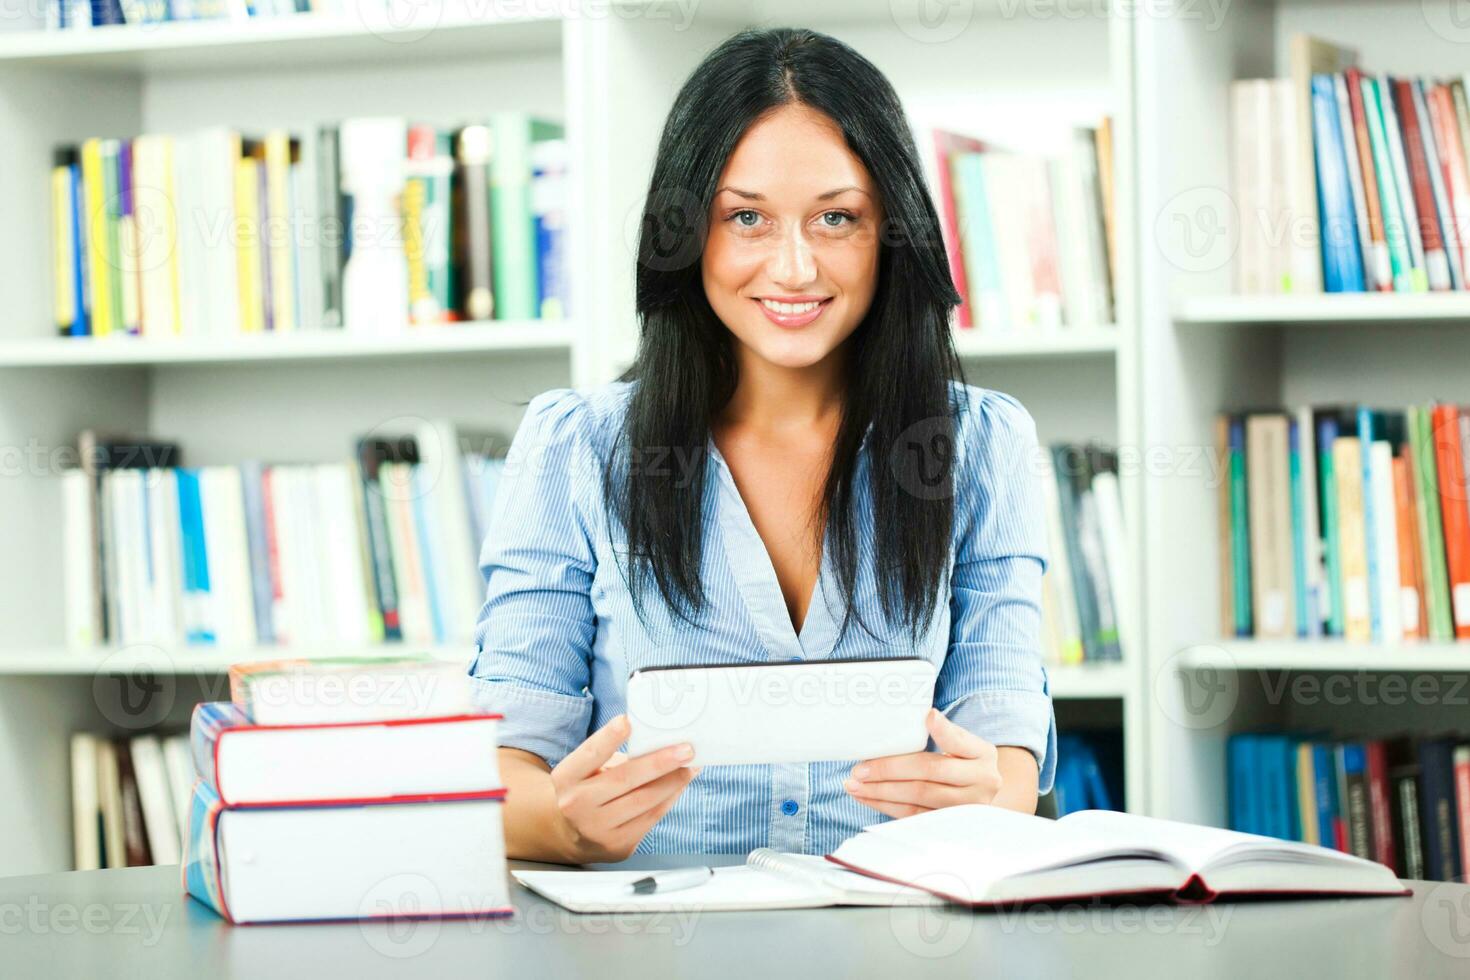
(1193, 846)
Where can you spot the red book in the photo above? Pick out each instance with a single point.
(1453, 512)
(1456, 172)
(1379, 807)
(1435, 260)
(943, 146)
(1382, 273)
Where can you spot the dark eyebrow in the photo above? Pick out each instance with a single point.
(753, 196)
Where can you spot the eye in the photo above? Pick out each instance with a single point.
(837, 219)
(745, 218)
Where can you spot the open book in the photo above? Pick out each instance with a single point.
(768, 880)
(983, 855)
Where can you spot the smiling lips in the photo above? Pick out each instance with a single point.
(793, 311)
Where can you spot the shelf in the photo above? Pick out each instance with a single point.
(1334, 655)
(977, 344)
(1326, 309)
(507, 337)
(421, 34)
(144, 659)
(1078, 682)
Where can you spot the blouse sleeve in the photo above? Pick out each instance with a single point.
(535, 632)
(993, 682)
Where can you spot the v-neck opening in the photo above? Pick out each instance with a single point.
(760, 586)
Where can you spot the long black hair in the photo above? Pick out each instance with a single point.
(900, 358)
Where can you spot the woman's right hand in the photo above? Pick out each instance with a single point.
(609, 802)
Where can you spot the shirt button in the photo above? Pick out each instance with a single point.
(789, 807)
(796, 659)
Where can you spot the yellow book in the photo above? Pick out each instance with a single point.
(1306, 793)
(276, 231)
(1352, 543)
(61, 246)
(171, 285)
(247, 244)
(99, 268)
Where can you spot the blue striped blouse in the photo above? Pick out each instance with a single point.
(557, 636)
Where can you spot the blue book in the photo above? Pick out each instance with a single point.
(1070, 787)
(1342, 259)
(426, 529)
(198, 624)
(1304, 609)
(1324, 771)
(1367, 432)
(262, 590)
(1247, 804)
(81, 295)
(1327, 433)
(1437, 810)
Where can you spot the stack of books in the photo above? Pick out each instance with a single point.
(339, 790)
(1085, 592)
(1029, 237)
(70, 15)
(1345, 522)
(1403, 802)
(130, 799)
(1347, 181)
(380, 548)
(370, 226)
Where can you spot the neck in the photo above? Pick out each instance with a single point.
(771, 397)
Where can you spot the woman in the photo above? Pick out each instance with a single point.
(787, 471)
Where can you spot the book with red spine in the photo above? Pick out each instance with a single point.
(1445, 423)
(1379, 805)
(1411, 587)
(1456, 169)
(1436, 263)
(1379, 265)
(936, 151)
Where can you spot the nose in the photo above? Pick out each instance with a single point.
(793, 265)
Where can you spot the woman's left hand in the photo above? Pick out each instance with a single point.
(964, 770)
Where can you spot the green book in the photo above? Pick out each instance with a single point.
(112, 194)
(1394, 230)
(1240, 540)
(977, 239)
(1431, 530)
(1298, 532)
(512, 220)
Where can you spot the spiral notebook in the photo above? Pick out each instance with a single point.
(768, 879)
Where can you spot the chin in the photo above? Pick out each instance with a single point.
(792, 349)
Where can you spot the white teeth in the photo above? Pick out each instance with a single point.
(789, 309)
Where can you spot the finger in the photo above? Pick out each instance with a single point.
(930, 766)
(594, 751)
(648, 797)
(891, 809)
(954, 740)
(930, 796)
(616, 759)
(614, 781)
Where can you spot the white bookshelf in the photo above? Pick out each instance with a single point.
(1205, 350)
(610, 77)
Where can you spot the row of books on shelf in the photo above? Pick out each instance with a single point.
(1403, 802)
(1085, 589)
(130, 799)
(370, 225)
(1029, 236)
(1346, 522)
(1348, 181)
(382, 547)
(67, 15)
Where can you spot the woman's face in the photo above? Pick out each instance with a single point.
(791, 261)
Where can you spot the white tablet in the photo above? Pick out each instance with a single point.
(796, 711)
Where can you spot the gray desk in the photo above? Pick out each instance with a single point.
(137, 924)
